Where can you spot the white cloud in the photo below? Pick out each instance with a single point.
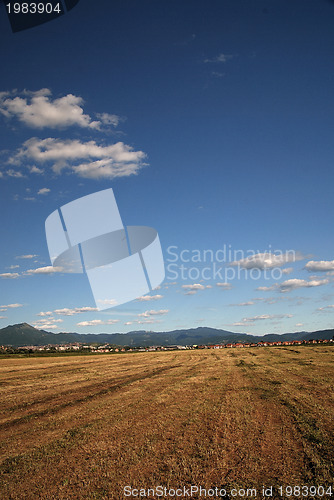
(267, 288)
(148, 298)
(36, 170)
(268, 260)
(261, 317)
(96, 322)
(95, 161)
(195, 286)
(44, 191)
(9, 275)
(108, 119)
(14, 173)
(39, 110)
(319, 266)
(44, 270)
(147, 314)
(241, 304)
(47, 326)
(142, 322)
(287, 270)
(45, 313)
(9, 306)
(224, 286)
(293, 284)
(13, 267)
(217, 74)
(49, 323)
(221, 58)
(76, 310)
(107, 302)
(29, 256)
(326, 308)
(148, 321)
(48, 320)
(3, 317)
(268, 300)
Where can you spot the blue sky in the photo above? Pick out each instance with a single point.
(212, 122)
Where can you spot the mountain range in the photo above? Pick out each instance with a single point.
(24, 334)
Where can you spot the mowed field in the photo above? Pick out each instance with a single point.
(87, 426)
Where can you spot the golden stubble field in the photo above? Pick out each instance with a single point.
(85, 427)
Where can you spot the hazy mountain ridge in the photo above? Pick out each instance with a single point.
(24, 334)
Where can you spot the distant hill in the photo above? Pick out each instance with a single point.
(24, 334)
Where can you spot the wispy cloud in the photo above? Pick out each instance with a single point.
(85, 159)
(224, 286)
(261, 317)
(76, 310)
(48, 323)
(242, 304)
(147, 314)
(194, 288)
(107, 302)
(36, 170)
(148, 321)
(329, 308)
(9, 275)
(148, 317)
(108, 119)
(148, 298)
(217, 74)
(44, 191)
(287, 270)
(14, 173)
(187, 40)
(28, 256)
(220, 58)
(293, 284)
(98, 322)
(268, 260)
(10, 306)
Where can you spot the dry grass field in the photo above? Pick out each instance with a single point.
(85, 427)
